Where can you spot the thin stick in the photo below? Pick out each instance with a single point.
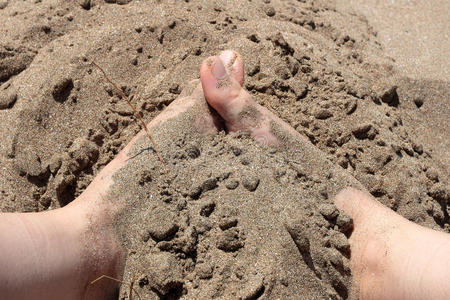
(109, 277)
(121, 282)
(119, 90)
(131, 290)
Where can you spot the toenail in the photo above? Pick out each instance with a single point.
(218, 69)
(228, 57)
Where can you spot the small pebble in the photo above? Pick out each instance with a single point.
(329, 211)
(227, 223)
(230, 240)
(322, 114)
(55, 163)
(195, 192)
(340, 242)
(253, 289)
(161, 224)
(344, 222)
(204, 270)
(351, 107)
(164, 273)
(28, 163)
(7, 99)
(209, 184)
(232, 184)
(270, 11)
(189, 240)
(300, 89)
(203, 226)
(123, 109)
(84, 152)
(299, 235)
(335, 258)
(250, 183)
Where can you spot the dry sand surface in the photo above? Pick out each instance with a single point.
(230, 218)
(415, 33)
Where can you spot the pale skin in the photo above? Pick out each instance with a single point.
(56, 254)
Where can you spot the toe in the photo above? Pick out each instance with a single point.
(353, 202)
(234, 65)
(222, 78)
(362, 207)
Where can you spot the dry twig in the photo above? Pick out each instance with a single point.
(121, 282)
(138, 115)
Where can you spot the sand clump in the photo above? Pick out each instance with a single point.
(321, 70)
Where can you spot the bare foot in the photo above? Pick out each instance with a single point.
(56, 254)
(222, 79)
(76, 244)
(391, 257)
(72, 246)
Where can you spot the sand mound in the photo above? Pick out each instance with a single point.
(262, 224)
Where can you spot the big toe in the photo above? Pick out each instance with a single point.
(222, 78)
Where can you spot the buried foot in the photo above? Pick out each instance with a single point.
(222, 80)
(74, 245)
(391, 257)
(57, 254)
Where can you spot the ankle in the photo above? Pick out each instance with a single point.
(101, 251)
(431, 256)
(404, 261)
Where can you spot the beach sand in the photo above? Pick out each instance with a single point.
(230, 218)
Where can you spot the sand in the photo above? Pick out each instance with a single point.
(414, 33)
(230, 218)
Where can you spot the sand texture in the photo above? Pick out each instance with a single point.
(230, 219)
(414, 33)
